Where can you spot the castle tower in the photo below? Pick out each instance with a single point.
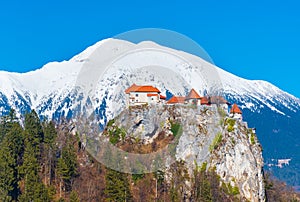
(235, 112)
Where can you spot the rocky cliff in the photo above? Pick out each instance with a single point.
(203, 135)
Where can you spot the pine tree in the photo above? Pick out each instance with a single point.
(6, 123)
(34, 132)
(202, 186)
(49, 151)
(49, 133)
(12, 115)
(74, 196)
(67, 166)
(34, 189)
(10, 154)
(117, 186)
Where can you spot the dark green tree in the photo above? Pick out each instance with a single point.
(117, 186)
(49, 133)
(34, 189)
(202, 187)
(12, 116)
(6, 123)
(74, 196)
(33, 131)
(10, 154)
(49, 151)
(67, 166)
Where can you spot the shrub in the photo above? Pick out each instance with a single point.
(230, 128)
(114, 138)
(252, 136)
(176, 128)
(252, 139)
(110, 123)
(116, 134)
(230, 124)
(228, 189)
(136, 177)
(162, 124)
(235, 190)
(217, 140)
(203, 167)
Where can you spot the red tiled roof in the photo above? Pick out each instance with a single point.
(176, 99)
(131, 88)
(193, 95)
(235, 109)
(136, 88)
(150, 95)
(204, 101)
(146, 89)
(162, 97)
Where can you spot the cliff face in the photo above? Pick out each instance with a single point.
(226, 145)
(238, 161)
(205, 136)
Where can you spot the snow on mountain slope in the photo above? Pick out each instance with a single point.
(36, 86)
(257, 91)
(47, 88)
(96, 79)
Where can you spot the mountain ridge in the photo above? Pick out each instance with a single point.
(75, 63)
(51, 90)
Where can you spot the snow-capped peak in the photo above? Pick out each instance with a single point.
(48, 88)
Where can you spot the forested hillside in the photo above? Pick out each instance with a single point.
(40, 161)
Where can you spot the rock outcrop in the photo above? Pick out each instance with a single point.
(207, 136)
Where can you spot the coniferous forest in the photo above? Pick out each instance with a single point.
(42, 161)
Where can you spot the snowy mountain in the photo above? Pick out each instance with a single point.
(95, 80)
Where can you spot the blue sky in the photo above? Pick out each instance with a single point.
(252, 39)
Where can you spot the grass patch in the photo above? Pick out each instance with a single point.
(252, 139)
(177, 131)
(252, 136)
(216, 142)
(203, 167)
(136, 177)
(230, 190)
(230, 124)
(176, 128)
(110, 123)
(230, 128)
(116, 134)
(162, 124)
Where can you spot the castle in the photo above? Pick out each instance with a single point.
(140, 95)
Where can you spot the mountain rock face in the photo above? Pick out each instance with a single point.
(58, 90)
(239, 161)
(207, 136)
